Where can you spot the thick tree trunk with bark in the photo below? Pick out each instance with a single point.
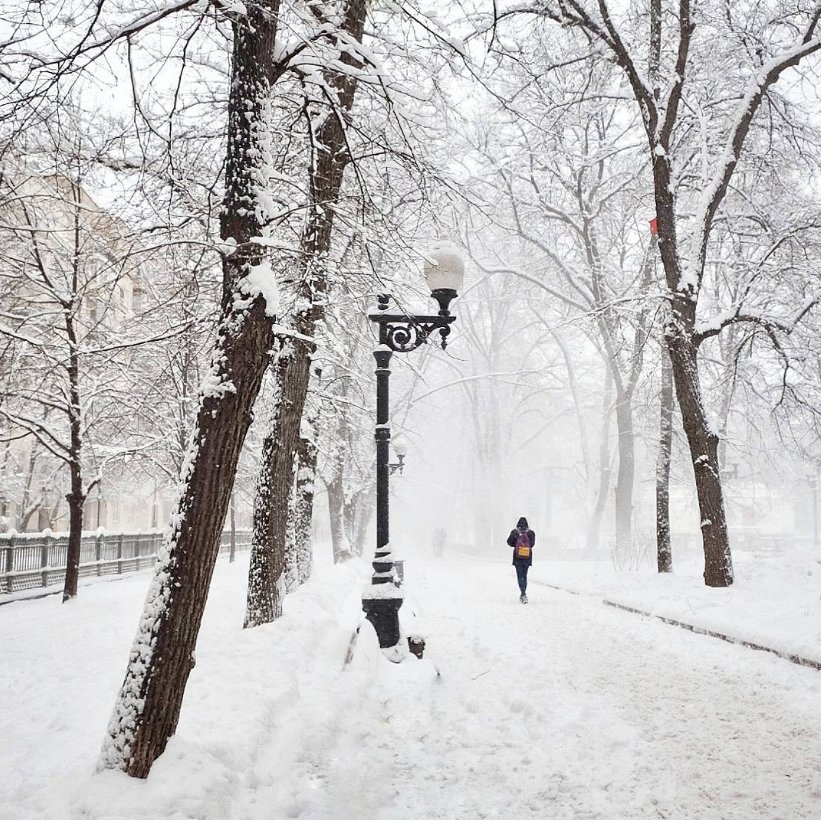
(277, 468)
(264, 603)
(304, 506)
(291, 536)
(664, 552)
(147, 711)
(703, 443)
(299, 542)
(148, 706)
(680, 338)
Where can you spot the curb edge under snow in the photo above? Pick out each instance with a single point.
(800, 660)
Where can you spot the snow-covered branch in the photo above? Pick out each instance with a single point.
(740, 314)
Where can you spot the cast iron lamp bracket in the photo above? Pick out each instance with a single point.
(403, 332)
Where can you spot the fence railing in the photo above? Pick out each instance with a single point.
(31, 560)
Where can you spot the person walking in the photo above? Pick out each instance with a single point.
(522, 539)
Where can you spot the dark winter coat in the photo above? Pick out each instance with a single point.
(514, 537)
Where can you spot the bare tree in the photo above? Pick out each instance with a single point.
(70, 270)
(687, 205)
(148, 707)
(292, 370)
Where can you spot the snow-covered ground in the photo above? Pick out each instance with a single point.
(564, 708)
(775, 602)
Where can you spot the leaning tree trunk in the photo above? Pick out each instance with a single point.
(148, 707)
(664, 552)
(703, 443)
(273, 490)
(277, 466)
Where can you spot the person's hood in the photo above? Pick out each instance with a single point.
(522, 525)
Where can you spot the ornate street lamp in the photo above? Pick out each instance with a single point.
(401, 333)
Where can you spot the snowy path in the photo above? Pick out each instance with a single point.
(562, 709)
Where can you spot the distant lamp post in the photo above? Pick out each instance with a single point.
(813, 483)
(401, 333)
(730, 472)
(401, 449)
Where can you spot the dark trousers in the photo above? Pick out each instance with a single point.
(521, 576)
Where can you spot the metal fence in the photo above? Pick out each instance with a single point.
(30, 560)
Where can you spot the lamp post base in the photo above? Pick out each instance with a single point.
(383, 613)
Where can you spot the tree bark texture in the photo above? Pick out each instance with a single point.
(703, 444)
(264, 601)
(304, 506)
(702, 440)
(232, 523)
(291, 536)
(76, 497)
(148, 707)
(276, 475)
(664, 552)
(299, 545)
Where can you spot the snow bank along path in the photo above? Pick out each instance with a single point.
(559, 709)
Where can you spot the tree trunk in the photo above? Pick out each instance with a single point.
(26, 510)
(232, 523)
(701, 438)
(304, 506)
(365, 504)
(703, 443)
(626, 473)
(664, 552)
(75, 498)
(75, 501)
(264, 601)
(299, 549)
(293, 371)
(148, 706)
(299, 531)
(336, 512)
(291, 536)
(594, 523)
(273, 490)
